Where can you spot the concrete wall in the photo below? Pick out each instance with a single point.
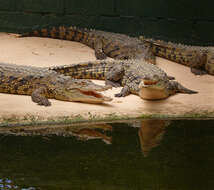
(186, 21)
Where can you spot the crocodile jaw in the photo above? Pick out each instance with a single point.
(80, 90)
(152, 90)
(152, 94)
(80, 95)
(91, 96)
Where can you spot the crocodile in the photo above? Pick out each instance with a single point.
(42, 83)
(200, 59)
(136, 76)
(105, 44)
(83, 132)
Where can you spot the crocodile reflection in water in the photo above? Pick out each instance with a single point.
(151, 133)
(81, 132)
(186, 151)
(87, 133)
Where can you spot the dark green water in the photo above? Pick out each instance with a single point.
(146, 155)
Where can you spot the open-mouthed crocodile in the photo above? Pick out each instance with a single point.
(200, 59)
(42, 83)
(114, 45)
(137, 77)
(83, 132)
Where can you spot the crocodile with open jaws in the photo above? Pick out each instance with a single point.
(200, 59)
(136, 76)
(114, 45)
(42, 83)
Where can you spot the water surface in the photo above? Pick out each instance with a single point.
(139, 155)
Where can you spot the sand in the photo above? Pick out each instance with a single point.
(49, 52)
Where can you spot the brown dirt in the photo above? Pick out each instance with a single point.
(49, 52)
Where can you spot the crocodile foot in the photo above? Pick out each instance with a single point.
(124, 92)
(112, 83)
(100, 55)
(198, 71)
(170, 77)
(39, 98)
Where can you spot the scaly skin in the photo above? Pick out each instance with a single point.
(136, 76)
(199, 59)
(81, 132)
(114, 45)
(42, 83)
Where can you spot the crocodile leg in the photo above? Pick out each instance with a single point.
(114, 75)
(170, 77)
(124, 92)
(112, 83)
(38, 97)
(150, 56)
(209, 66)
(197, 71)
(98, 48)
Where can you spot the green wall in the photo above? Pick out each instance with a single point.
(186, 21)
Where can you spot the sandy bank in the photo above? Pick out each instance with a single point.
(49, 52)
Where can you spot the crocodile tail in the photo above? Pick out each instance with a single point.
(165, 50)
(65, 33)
(161, 48)
(85, 70)
(175, 52)
(41, 33)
